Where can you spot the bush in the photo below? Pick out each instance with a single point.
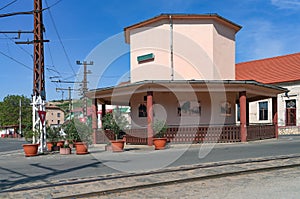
(77, 131)
(115, 122)
(160, 128)
(29, 134)
(53, 134)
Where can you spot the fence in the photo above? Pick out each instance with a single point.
(201, 134)
(260, 132)
(221, 134)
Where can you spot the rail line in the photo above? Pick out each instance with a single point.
(169, 171)
(125, 189)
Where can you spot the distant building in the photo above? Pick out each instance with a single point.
(283, 71)
(11, 131)
(55, 116)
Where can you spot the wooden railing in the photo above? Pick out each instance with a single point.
(260, 132)
(201, 134)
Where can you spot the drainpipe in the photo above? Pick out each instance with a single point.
(171, 47)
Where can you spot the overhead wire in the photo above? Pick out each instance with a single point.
(23, 49)
(14, 1)
(60, 40)
(13, 59)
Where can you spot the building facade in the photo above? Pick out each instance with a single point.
(281, 71)
(182, 72)
(55, 116)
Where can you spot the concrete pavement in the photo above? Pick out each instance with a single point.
(16, 171)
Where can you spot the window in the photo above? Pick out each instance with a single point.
(225, 108)
(142, 110)
(263, 110)
(290, 112)
(58, 114)
(189, 108)
(238, 112)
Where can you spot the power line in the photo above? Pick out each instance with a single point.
(16, 13)
(18, 45)
(27, 12)
(28, 67)
(57, 2)
(8, 4)
(60, 40)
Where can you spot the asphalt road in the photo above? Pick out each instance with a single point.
(16, 169)
(11, 144)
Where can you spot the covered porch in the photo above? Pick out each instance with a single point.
(211, 114)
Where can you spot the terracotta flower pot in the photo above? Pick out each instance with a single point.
(81, 148)
(30, 149)
(65, 151)
(60, 143)
(117, 145)
(159, 143)
(49, 146)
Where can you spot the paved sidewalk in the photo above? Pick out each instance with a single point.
(51, 173)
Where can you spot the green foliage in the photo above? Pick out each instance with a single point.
(53, 134)
(9, 111)
(29, 134)
(115, 122)
(78, 131)
(159, 128)
(66, 146)
(64, 106)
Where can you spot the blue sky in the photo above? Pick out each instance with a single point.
(270, 28)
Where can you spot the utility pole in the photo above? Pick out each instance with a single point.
(20, 117)
(39, 93)
(84, 84)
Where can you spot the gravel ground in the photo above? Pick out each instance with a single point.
(275, 184)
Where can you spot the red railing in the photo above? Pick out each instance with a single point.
(260, 132)
(202, 134)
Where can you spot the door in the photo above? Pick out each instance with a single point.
(290, 113)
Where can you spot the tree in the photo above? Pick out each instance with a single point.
(9, 111)
(115, 122)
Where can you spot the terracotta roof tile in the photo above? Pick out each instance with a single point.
(273, 70)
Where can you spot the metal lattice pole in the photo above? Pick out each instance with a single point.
(39, 93)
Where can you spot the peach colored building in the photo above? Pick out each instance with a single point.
(55, 116)
(182, 70)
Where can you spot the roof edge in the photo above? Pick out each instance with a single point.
(253, 82)
(163, 16)
(268, 58)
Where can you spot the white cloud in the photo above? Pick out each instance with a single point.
(286, 4)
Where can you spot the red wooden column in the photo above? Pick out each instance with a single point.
(275, 115)
(150, 117)
(243, 116)
(94, 120)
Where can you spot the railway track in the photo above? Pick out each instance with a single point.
(104, 185)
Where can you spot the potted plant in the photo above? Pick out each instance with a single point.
(81, 133)
(160, 129)
(53, 136)
(117, 123)
(65, 149)
(32, 148)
